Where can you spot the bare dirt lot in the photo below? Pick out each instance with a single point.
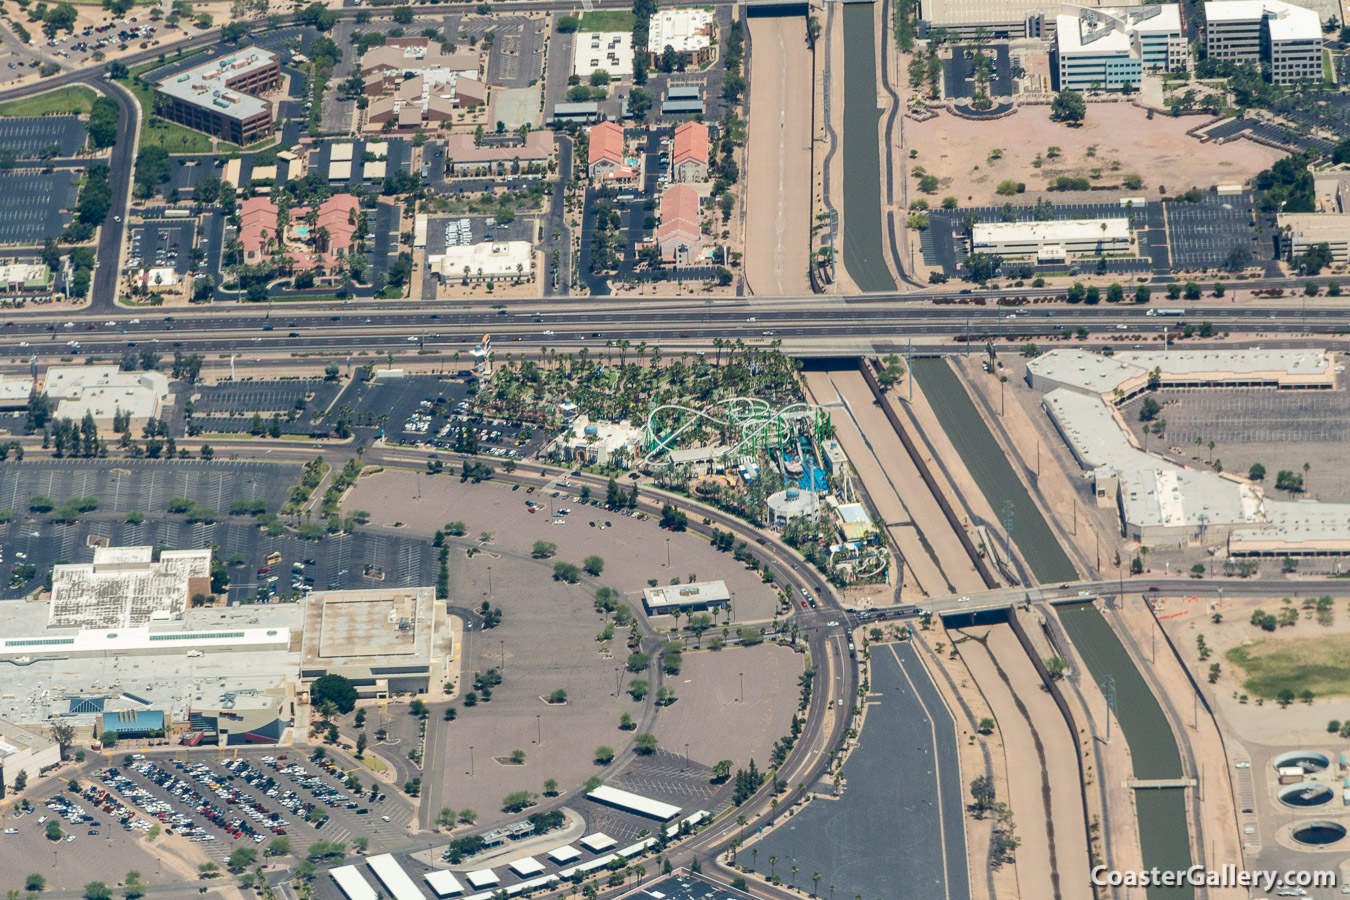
(777, 227)
(1115, 139)
(634, 551)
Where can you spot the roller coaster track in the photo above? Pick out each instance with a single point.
(752, 417)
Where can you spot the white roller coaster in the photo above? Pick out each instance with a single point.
(749, 422)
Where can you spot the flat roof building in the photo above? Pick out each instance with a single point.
(687, 30)
(485, 261)
(25, 278)
(222, 97)
(607, 51)
(106, 391)
(15, 391)
(699, 595)
(635, 803)
(385, 641)
(1054, 240)
(1301, 232)
(1285, 36)
(1109, 49)
(22, 750)
(598, 443)
(1162, 502)
(464, 157)
(125, 587)
(354, 886)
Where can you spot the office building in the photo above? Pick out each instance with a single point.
(223, 97)
(1110, 49)
(1054, 240)
(1282, 36)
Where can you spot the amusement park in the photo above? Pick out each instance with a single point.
(768, 457)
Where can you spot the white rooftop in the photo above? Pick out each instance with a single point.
(564, 854)
(687, 29)
(1155, 492)
(205, 85)
(481, 878)
(1287, 22)
(1057, 231)
(106, 390)
(598, 841)
(1094, 373)
(611, 51)
(123, 588)
(527, 867)
(676, 595)
(14, 391)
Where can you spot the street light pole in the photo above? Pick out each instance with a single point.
(538, 732)
(742, 687)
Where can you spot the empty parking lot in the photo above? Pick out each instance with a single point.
(35, 137)
(34, 205)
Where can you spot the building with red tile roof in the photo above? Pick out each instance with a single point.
(606, 150)
(689, 153)
(257, 229)
(679, 235)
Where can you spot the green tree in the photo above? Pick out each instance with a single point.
(604, 755)
(34, 882)
(645, 743)
(1068, 107)
(97, 890)
(54, 830)
(336, 689)
(593, 565)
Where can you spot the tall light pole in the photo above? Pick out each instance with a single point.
(538, 731)
(742, 687)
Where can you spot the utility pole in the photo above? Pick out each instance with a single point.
(1109, 690)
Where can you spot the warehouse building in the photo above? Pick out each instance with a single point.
(385, 641)
(602, 51)
(1286, 37)
(223, 97)
(1110, 49)
(22, 750)
(1051, 241)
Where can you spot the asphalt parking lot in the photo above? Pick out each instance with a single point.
(1201, 235)
(35, 137)
(959, 71)
(229, 407)
(897, 783)
(34, 205)
(423, 410)
(162, 244)
(216, 793)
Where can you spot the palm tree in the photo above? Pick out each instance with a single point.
(1306, 467)
(773, 861)
(815, 878)
(719, 343)
(793, 870)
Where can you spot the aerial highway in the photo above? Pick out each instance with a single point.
(799, 327)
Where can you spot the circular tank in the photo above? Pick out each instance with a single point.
(1307, 760)
(1318, 834)
(1306, 793)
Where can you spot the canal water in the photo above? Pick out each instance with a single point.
(1162, 813)
(991, 470)
(863, 255)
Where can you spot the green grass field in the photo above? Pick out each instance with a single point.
(607, 20)
(157, 132)
(60, 101)
(1319, 664)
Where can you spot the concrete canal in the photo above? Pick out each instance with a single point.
(863, 255)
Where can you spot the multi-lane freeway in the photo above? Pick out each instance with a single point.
(819, 327)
